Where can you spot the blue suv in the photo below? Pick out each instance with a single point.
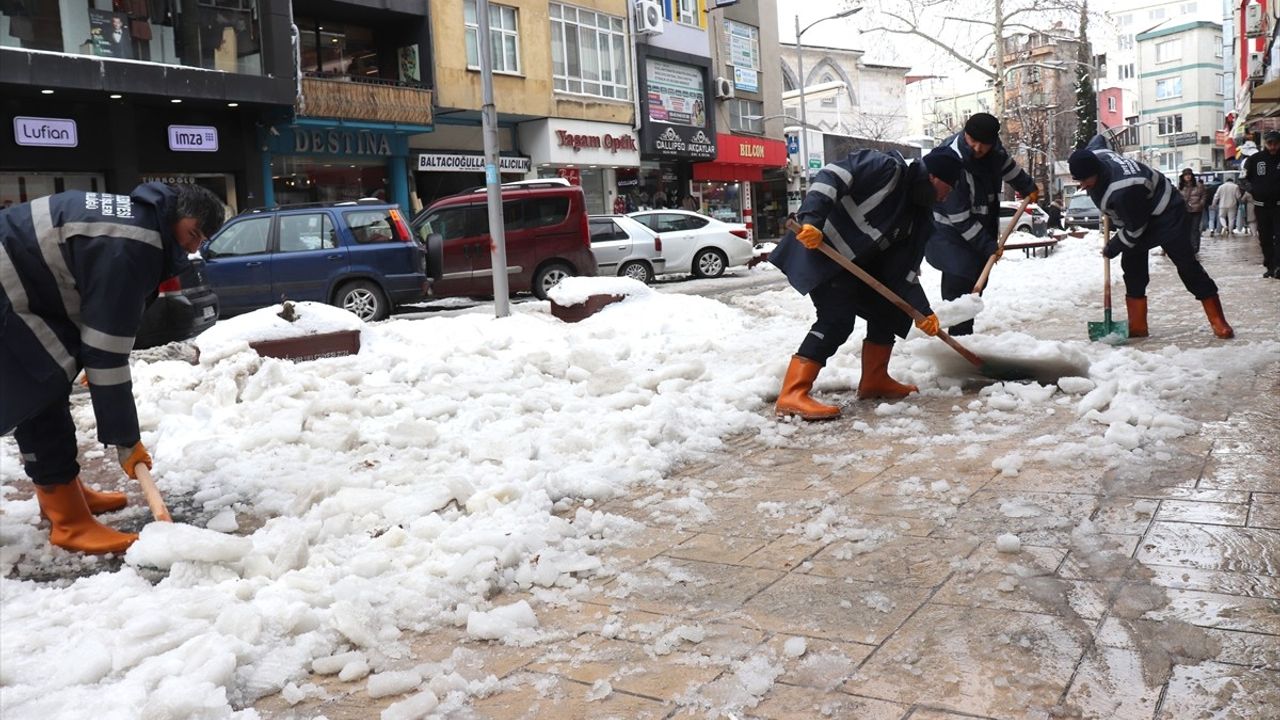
(359, 256)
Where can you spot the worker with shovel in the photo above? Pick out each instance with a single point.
(76, 272)
(1142, 205)
(875, 210)
(967, 223)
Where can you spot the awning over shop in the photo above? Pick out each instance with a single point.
(1264, 103)
(740, 158)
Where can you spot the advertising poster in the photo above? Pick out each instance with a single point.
(675, 94)
(109, 34)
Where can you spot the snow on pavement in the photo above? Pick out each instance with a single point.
(401, 489)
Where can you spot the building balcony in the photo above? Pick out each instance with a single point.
(373, 100)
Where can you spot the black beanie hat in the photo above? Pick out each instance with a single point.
(983, 127)
(1084, 164)
(1271, 136)
(944, 165)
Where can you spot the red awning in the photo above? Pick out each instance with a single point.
(741, 158)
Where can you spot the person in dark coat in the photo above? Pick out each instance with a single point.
(1262, 172)
(76, 272)
(874, 209)
(1192, 192)
(1145, 212)
(966, 226)
(1054, 211)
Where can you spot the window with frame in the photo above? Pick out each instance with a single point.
(746, 116)
(831, 100)
(687, 12)
(1168, 51)
(1126, 41)
(1168, 124)
(1111, 103)
(1126, 71)
(312, 231)
(1222, 84)
(504, 37)
(1032, 74)
(1217, 46)
(1156, 14)
(1168, 88)
(371, 226)
(247, 237)
(588, 53)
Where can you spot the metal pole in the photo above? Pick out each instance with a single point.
(804, 118)
(492, 178)
(1053, 118)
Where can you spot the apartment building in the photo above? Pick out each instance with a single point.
(1181, 90)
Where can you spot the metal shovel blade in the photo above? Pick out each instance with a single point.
(1108, 330)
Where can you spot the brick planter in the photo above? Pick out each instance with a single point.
(593, 305)
(310, 347)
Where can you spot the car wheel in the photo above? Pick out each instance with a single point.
(637, 270)
(548, 276)
(362, 299)
(709, 263)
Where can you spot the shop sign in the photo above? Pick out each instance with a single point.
(193, 138)
(468, 162)
(746, 79)
(612, 143)
(573, 175)
(793, 144)
(676, 93)
(341, 142)
(45, 132)
(690, 143)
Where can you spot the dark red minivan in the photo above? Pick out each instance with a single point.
(548, 238)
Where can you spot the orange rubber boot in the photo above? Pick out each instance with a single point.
(98, 502)
(1137, 308)
(1213, 308)
(875, 382)
(72, 526)
(794, 398)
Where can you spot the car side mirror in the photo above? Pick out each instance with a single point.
(206, 250)
(435, 256)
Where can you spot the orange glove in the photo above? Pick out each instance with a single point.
(929, 325)
(130, 457)
(1034, 196)
(810, 237)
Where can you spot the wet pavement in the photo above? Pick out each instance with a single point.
(833, 574)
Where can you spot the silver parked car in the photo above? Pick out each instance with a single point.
(626, 248)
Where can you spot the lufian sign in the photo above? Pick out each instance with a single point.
(45, 132)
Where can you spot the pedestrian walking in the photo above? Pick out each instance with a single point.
(1192, 192)
(1210, 222)
(876, 210)
(1248, 218)
(966, 225)
(1262, 171)
(76, 272)
(1146, 212)
(1228, 198)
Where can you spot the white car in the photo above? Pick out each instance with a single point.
(1033, 220)
(698, 244)
(624, 247)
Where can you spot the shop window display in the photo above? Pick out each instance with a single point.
(212, 34)
(303, 179)
(722, 201)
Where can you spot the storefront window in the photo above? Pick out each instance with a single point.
(722, 201)
(333, 49)
(592, 181)
(19, 187)
(658, 187)
(305, 179)
(213, 34)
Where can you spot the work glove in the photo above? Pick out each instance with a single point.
(1034, 196)
(810, 237)
(130, 457)
(928, 326)
(1114, 247)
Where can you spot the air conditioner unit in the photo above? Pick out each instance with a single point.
(1255, 21)
(1257, 66)
(648, 17)
(724, 88)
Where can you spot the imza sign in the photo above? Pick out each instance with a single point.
(193, 138)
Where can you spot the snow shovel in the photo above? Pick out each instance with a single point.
(1004, 237)
(1108, 330)
(154, 501)
(1000, 370)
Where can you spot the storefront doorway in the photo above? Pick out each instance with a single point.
(24, 186)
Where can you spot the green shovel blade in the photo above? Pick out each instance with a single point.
(1114, 331)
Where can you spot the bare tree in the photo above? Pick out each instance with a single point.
(975, 40)
(877, 125)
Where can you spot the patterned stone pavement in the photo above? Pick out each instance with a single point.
(834, 575)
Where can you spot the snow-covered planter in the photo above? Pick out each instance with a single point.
(578, 298)
(292, 331)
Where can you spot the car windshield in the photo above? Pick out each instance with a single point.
(1082, 202)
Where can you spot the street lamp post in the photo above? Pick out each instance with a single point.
(804, 116)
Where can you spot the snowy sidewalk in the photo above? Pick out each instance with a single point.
(851, 569)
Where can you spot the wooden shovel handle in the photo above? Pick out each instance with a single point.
(1004, 237)
(154, 501)
(888, 294)
(1106, 264)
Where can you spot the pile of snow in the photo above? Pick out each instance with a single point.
(458, 458)
(310, 318)
(576, 290)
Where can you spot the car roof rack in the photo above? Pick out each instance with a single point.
(524, 185)
(314, 205)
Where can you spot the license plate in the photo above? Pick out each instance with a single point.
(207, 312)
